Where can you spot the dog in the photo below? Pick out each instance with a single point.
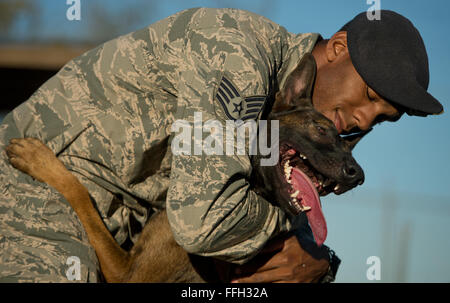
(314, 160)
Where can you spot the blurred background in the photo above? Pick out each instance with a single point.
(401, 213)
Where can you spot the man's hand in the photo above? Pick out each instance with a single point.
(282, 261)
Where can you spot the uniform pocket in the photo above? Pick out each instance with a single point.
(67, 137)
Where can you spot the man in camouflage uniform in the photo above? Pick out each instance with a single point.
(107, 115)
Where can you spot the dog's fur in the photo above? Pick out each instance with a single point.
(156, 257)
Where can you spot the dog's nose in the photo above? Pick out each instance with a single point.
(349, 171)
(353, 173)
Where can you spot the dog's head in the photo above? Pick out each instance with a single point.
(314, 159)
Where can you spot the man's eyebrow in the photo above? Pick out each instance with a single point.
(395, 117)
(400, 112)
(381, 118)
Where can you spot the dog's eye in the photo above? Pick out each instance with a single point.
(321, 130)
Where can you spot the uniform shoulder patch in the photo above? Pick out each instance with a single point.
(237, 106)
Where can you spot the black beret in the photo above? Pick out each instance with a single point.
(390, 56)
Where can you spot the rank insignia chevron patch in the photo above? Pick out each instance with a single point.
(235, 106)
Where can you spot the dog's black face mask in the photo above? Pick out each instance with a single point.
(313, 158)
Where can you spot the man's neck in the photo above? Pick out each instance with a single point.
(319, 53)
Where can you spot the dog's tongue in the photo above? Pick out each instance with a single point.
(309, 197)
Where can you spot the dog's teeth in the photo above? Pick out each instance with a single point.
(295, 194)
(336, 188)
(287, 170)
(306, 208)
(287, 173)
(303, 156)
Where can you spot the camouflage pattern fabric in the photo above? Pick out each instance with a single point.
(108, 115)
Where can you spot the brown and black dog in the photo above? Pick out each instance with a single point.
(313, 160)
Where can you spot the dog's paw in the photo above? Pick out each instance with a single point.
(32, 157)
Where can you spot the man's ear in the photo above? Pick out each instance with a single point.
(353, 139)
(297, 90)
(336, 46)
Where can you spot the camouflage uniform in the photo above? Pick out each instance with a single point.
(108, 115)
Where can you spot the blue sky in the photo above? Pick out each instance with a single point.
(401, 213)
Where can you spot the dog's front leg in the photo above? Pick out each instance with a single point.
(32, 157)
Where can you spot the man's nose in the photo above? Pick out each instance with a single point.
(365, 117)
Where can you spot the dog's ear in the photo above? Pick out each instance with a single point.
(297, 90)
(353, 139)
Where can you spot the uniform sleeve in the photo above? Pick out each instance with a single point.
(210, 205)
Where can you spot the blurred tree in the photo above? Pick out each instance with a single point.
(10, 11)
(20, 20)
